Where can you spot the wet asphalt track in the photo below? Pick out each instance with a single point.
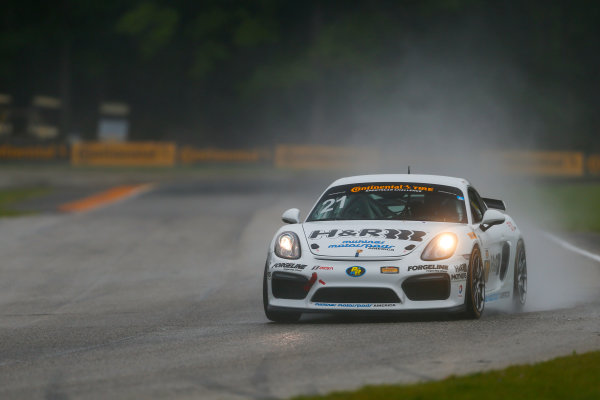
(160, 296)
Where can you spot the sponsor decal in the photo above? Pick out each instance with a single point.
(358, 253)
(355, 271)
(402, 234)
(486, 270)
(428, 267)
(460, 268)
(390, 270)
(384, 304)
(461, 276)
(472, 235)
(392, 188)
(321, 282)
(317, 267)
(369, 244)
(497, 296)
(511, 226)
(290, 266)
(345, 305)
(460, 290)
(460, 197)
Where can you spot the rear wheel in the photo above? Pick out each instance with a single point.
(520, 277)
(475, 294)
(276, 316)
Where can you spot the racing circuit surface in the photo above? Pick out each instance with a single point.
(160, 296)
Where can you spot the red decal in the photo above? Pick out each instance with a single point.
(321, 282)
(311, 281)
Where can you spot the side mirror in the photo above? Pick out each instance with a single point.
(291, 216)
(490, 218)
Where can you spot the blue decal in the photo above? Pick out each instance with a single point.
(460, 197)
(355, 271)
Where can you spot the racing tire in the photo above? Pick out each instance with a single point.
(475, 293)
(520, 277)
(276, 316)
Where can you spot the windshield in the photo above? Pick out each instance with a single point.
(391, 201)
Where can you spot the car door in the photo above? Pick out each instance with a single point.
(491, 241)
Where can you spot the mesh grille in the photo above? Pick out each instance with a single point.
(355, 295)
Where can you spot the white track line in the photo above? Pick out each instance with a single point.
(569, 246)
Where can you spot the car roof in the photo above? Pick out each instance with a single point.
(409, 178)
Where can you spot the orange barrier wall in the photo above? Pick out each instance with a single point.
(544, 163)
(154, 154)
(34, 153)
(322, 157)
(193, 155)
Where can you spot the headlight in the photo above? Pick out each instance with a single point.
(287, 245)
(441, 247)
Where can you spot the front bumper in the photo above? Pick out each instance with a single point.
(315, 285)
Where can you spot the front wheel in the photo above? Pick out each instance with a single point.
(475, 294)
(520, 277)
(276, 316)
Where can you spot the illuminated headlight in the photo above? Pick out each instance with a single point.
(441, 247)
(287, 245)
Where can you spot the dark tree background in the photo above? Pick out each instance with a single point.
(244, 73)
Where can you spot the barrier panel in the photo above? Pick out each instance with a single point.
(34, 153)
(193, 155)
(593, 164)
(150, 154)
(544, 163)
(323, 157)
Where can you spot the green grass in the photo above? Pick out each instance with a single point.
(563, 206)
(572, 378)
(11, 197)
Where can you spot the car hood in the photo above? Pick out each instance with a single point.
(368, 239)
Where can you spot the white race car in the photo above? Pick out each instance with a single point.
(393, 243)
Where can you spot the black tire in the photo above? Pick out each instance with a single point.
(475, 293)
(520, 277)
(276, 316)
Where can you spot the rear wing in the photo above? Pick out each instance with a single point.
(495, 204)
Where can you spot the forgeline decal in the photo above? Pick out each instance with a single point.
(355, 305)
(322, 268)
(497, 296)
(390, 270)
(428, 267)
(355, 271)
(369, 244)
(290, 266)
(403, 234)
(391, 188)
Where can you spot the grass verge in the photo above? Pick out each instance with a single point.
(572, 377)
(9, 198)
